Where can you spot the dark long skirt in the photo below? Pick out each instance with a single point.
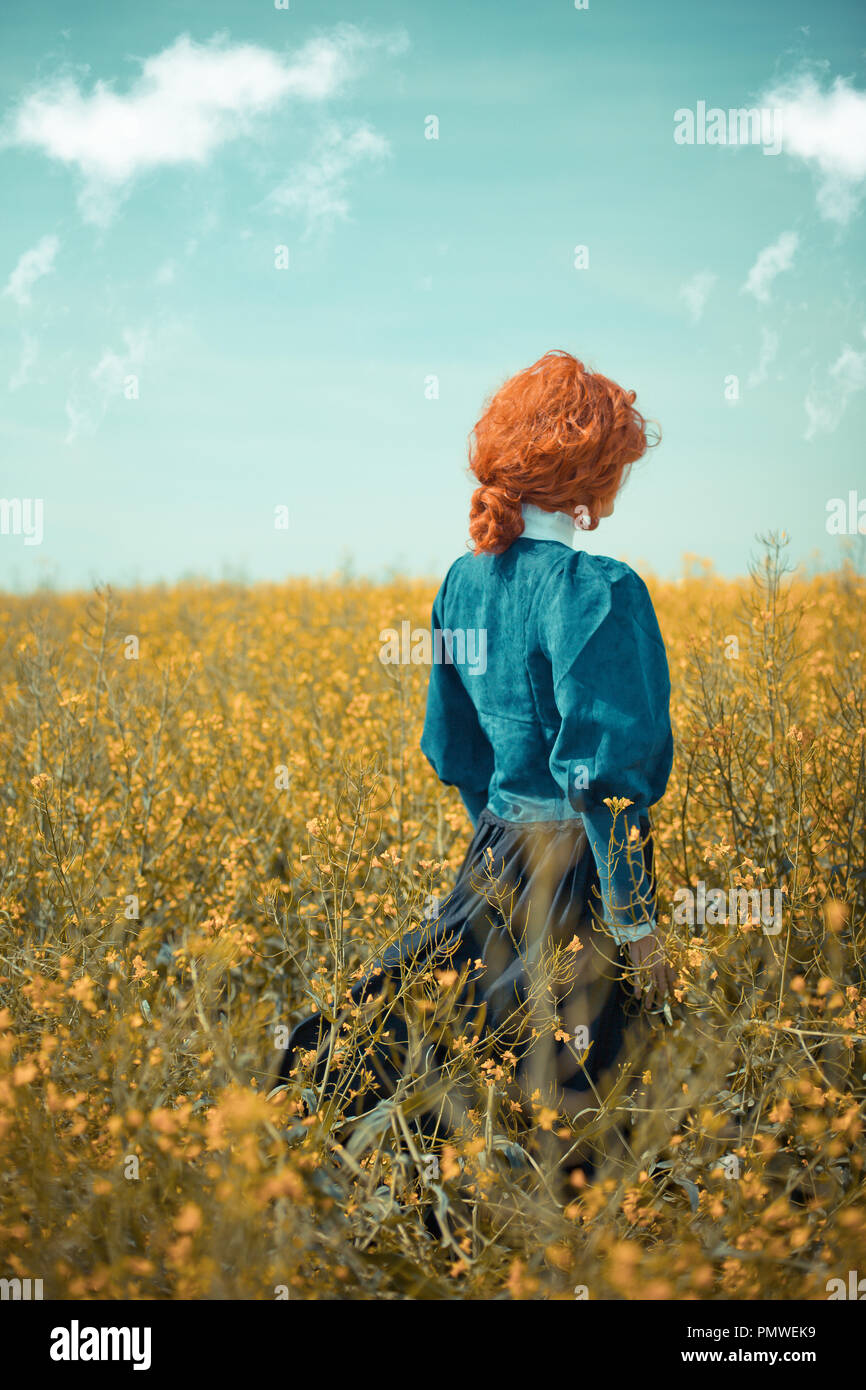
(518, 938)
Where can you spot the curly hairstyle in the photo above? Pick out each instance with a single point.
(556, 434)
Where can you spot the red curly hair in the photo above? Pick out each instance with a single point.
(556, 435)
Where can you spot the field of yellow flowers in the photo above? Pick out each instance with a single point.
(214, 809)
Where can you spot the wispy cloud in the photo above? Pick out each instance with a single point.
(35, 263)
(826, 129)
(827, 402)
(86, 407)
(770, 263)
(769, 348)
(317, 188)
(188, 101)
(696, 292)
(26, 363)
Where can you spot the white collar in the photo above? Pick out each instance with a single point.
(539, 525)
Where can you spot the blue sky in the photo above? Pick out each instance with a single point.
(167, 386)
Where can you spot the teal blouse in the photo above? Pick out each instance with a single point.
(556, 695)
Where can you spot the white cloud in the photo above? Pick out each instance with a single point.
(35, 263)
(769, 348)
(165, 274)
(696, 292)
(87, 408)
(826, 404)
(187, 101)
(827, 130)
(317, 188)
(770, 263)
(29, 354)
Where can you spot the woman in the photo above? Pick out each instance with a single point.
(550, 926)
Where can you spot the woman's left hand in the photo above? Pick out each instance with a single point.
(651, 975)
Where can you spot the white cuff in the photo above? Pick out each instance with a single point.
(623, 935)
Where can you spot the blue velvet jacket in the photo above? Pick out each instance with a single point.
(556, 697)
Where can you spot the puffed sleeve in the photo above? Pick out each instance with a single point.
(453, 740)
(612, 691)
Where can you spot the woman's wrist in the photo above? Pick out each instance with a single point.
(623, 936)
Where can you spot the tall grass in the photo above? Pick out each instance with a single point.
(204, 835)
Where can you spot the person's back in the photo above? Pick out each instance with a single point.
(527, 631)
